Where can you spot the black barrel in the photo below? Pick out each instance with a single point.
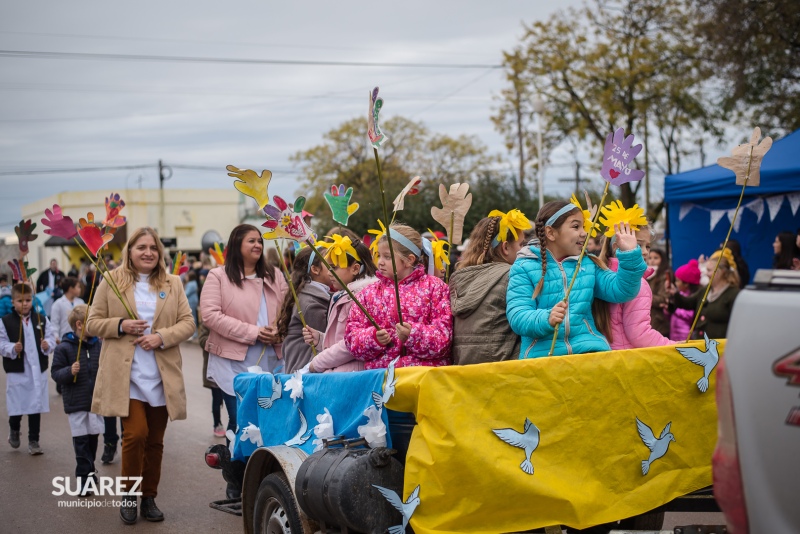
(334, 486)
(401, 426)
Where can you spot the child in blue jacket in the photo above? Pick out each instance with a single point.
(536, 288)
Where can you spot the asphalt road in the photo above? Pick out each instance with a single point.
(187, 484)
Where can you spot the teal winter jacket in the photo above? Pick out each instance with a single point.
(578, 334)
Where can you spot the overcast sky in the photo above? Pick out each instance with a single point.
(75, 113)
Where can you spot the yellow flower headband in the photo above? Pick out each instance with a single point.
(338, 249)
(588, 215)
(727, 254)
(438, 254)
(373, 247)
(509, 222)
(616, 214)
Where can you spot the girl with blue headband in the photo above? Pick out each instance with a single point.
(423, 338)
(541, 274)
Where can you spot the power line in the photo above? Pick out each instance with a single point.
(83, 169)
(32, 54)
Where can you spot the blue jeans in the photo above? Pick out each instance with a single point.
(230, 406)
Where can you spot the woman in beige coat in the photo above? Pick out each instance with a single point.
(140, 377)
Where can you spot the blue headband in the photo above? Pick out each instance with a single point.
(310, 260)
(403, 240)
(428, 247)
(566, 209)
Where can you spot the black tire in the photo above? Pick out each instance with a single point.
(653, 520)
(276, 510)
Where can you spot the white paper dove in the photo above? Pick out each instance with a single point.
(374, 431)
(231, 440)
(324, 430)
(253, 434)
(295, 386)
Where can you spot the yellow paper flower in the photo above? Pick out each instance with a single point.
(441, 251)
(511, 222)
(587, 218)
(616, 214)
(378, 235)
(338, 249)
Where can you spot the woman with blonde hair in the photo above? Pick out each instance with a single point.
(716, 312)
(140, 377)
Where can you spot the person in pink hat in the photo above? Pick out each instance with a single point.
(687, 281)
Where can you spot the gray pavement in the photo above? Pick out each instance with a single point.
(187, 484)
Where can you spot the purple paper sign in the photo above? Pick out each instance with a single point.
(618, 155)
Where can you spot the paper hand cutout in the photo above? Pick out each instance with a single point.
(114, 205)
(92, 234)
(16, 271)
(218, 254)
(455, 205)
(740, 162)
(618, 155)
(285, 221)
(376, 137)
(178, 267)
(339, 202)
(28, 270)
(58, 225)
(250, 184)
(25, 235)
(373, 247)
(412, 188)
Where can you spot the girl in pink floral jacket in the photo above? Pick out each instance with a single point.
(424, 336)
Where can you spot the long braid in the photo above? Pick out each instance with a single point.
(485, 257)
(543, 248)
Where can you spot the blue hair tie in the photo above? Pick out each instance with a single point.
(406, 242)
(566, 209)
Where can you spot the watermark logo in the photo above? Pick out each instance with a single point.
(100, 486)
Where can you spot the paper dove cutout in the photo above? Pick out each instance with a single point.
(406, 509)
(253, 434)
(92, 234)
(339, 202)
(740, 162)
(277, 391)
(528, 441)
(324, 430)
(25, 235)
(374, 432)
(285, 221)
(658, 447)
(302, 435)
(455, 205)
(618, 155)
(374, 134)
(250, 184)
(231, 440)
(388, 388)
(411, 188)
(295, 386)
(57, 224)
(706, 359)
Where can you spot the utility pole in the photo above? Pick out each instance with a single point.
(162, 177)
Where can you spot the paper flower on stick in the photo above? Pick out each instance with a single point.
(740, 162)
(373, 247)
(178, 267)
(57, 224)
(285, 221)
(114, 205)
(588, 215)
(412, 188)
(374, 133)
(455, 205)
(218, 254)
(92, 234)
(339, 202)
(512, 222)
(338, 249)
(616, 214)
(25, 235)
(250, 184)
(618, 156)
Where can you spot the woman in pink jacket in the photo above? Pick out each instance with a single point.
(239, 305)
(630, 322)
(424, 336)
(333, 355)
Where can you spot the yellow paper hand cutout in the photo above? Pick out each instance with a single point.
(251, 184)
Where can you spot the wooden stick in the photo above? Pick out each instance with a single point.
(296, 302)
(388, 235)
(85, 321)
(450, 237)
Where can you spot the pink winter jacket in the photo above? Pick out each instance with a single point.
(335, 357)
(630, 322)
(425, 302)
(230, 312)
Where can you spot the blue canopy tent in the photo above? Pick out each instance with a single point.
(701, 203)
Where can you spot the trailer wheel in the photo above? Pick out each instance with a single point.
(650, 521)
(275, 507)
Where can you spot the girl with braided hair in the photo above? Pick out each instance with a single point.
(481, 332)
(540, 276)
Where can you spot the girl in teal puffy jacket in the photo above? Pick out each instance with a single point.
(536, 287)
